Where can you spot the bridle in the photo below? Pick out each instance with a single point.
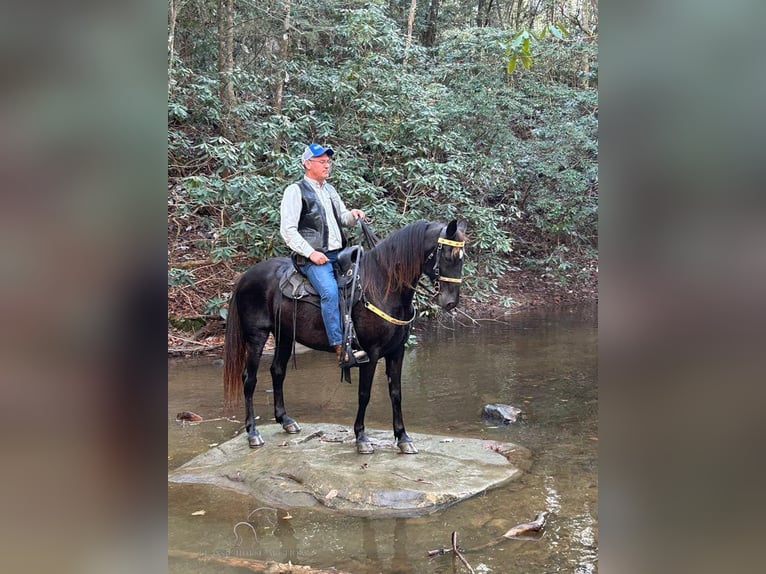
(437, 254)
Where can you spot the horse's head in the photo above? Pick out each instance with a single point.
(445, 264)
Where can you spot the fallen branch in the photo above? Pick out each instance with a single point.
(536, 526)
(316, 434)
(261, 566)
(199, 262)
(413, 479)
(457, 553)
(174, 351)
(474, 321)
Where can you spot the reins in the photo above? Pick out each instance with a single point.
(372, 241)
(439, 277)
(383, 315)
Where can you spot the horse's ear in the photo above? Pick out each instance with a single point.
(454, 226)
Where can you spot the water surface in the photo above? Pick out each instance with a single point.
(543, 362)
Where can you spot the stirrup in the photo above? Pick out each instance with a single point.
(360, 356)
(356, 357)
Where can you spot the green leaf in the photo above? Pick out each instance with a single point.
(526, 61)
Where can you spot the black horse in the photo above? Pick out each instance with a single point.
(389, 274)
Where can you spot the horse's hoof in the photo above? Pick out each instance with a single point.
(406, 447)
(364, 447)
(255, 440)
(292, 427)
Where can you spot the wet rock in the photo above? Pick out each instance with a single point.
(326, 471)
(505, 414)
(537, 525)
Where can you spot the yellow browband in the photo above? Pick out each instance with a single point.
(451, 243)
(388, 317)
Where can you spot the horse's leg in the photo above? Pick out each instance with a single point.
(249, 379)
(394, 374)
(366, 374)
(278, 370)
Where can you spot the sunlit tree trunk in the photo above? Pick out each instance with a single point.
(515, 14)
(532, 11)
(410, 24)
(499, 14)
(281, 72)
(226, 55)
(172, 16)
(593, 16)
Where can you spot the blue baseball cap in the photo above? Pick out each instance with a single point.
(315, 150)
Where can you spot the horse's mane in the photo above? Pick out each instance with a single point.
(396, 261)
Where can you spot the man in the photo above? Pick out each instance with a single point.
(312, 214)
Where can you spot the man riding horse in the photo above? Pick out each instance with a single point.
(312, 215)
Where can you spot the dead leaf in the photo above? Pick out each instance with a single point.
(188, 416)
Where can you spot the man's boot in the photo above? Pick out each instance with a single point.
(359, 355)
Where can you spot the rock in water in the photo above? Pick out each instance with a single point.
(537, 525)
(327, 471)
(501, 413)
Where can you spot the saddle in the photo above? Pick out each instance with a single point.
(295, 285)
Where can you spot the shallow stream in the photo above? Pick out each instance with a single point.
(543, 362)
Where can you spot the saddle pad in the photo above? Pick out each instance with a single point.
(293, 285)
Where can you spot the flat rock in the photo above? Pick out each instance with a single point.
(320, 467)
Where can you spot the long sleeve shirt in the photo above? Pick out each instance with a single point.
(290, 212)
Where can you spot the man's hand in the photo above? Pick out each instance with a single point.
(357, 213)
(318, 258)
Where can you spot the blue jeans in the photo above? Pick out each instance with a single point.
(322, 278)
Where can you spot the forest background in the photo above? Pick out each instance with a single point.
(485, 110)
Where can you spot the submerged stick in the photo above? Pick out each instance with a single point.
(261, 566)
(457, 553)
(537, 525)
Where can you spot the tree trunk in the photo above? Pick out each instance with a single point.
(593, 16)
(226, 56)
(230, 99)
(499, 15)
(172, 15)
(280, 80)
(410, 24)
(221, 21)
(480, 14)
(516, 22)
(429, 34)
(534, 9)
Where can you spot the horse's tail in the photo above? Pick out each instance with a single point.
(234, 354)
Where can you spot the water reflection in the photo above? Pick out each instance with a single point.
(544, 364)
